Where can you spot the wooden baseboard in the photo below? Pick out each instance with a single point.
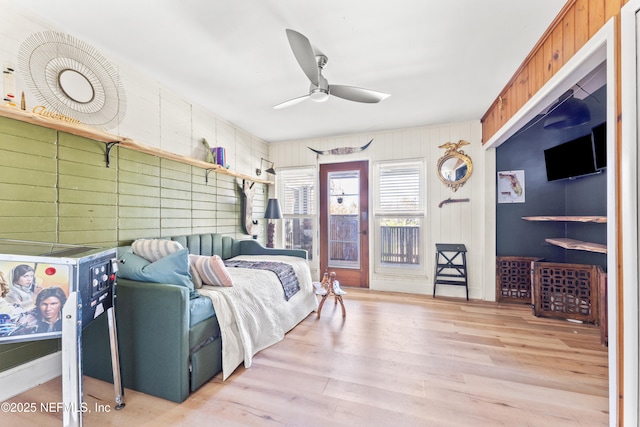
(31, 374)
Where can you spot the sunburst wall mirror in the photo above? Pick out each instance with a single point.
(72, 78)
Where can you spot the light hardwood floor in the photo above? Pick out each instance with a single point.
(396, 360)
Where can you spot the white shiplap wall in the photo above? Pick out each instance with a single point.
(470, 223)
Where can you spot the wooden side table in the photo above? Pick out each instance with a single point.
(330, 286)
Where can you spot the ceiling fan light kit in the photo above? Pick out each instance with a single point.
(312, 61)
(319, 95)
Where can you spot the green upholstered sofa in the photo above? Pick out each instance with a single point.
(169, 343)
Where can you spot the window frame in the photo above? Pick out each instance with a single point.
(381, 213)
(281, 178)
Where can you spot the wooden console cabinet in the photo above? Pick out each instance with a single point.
(567, 291)
(513, 279)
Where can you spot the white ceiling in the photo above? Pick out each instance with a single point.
(442, 61)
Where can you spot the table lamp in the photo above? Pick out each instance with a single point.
(272, 212)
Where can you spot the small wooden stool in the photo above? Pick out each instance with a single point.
(328, 288)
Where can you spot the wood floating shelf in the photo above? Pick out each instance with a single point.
(60, 125)
(111, 139)
(596, 219)
(577, 245)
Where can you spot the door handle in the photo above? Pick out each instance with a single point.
(363, 232)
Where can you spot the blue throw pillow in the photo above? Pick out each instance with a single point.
(172, 269)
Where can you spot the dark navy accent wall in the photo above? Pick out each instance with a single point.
(581, 196)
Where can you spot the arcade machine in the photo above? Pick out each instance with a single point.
(52, 290)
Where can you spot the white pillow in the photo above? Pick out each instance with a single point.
(211, 270)
(154, 249)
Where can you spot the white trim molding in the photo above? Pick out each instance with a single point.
(630, 47)
(29, 375)
(598, 50)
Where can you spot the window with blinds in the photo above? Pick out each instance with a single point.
(399, 188)
(297, 195)
(399, 214)
(298, 191)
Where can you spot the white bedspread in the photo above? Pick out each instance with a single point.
(253, 314)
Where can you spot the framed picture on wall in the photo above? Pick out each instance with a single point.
(511, 186)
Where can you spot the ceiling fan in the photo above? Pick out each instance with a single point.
(312, 61)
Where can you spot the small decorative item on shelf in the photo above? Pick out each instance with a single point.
(209, 155)
(9, 84)
(219, 156)
(41, 110)
(215, 155)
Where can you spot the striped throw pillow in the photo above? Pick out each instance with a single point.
(211, 270)
(195, 276)
(154, 249)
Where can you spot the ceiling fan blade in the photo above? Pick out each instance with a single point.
(306, 57)
(290, 102)
(357, 94)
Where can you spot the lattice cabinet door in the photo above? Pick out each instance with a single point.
(566, 291)
(513, 279)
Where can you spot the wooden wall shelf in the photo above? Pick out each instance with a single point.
(573, 244)
(577, 245)
(596, 219)
(108, 138)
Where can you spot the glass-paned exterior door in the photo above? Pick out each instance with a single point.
(344, 219)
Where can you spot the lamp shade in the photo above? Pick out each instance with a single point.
(270, 170)
(273, 210)
(567, 112)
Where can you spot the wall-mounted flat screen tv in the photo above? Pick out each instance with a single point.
(571, 159)
(581, 156)
(600, 145)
